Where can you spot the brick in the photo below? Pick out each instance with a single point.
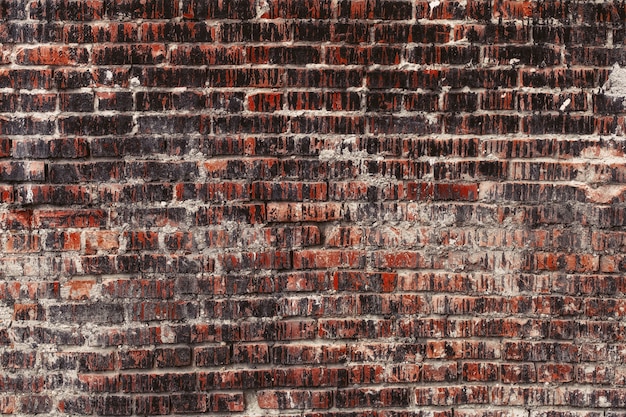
(597, 56)
(265, 102)
(38, 102)
(562, 78)
(173, 31)
(452, 55)
(82, 313)
(518, 373)
(300, 9)
(118, 101)
(250, 124)
(27, 78)
(421, 125)
(62, 241)
(375, 9)
(114, 406)
(177, 357)
(79, 289)
(411, 33)
(481, 125)
(311, 31)
(213, 9)
(221, 402)
(49, 55)
(22, 171)
(293, 212)
(207, 55)
(510, 32)
(86, 33)
(384, 397)
(294, 354)
(473, 372)
(25, 126)
(452, 395)
(524, 55)
(542, 102)
(84, 172)
(28, 312)
(324, 78)
(555, 373)
(283, 400)
(117, 146)
(162, 171)
(460, 102)
(66, 10)
(152, 405)
(135, 9)
(287, 191)
(80, 102)
(147, 289)
(255, 261)
(328, 124)
(95, 125)
(138, 54)
(297, 55)
(50, 149)
(13, 10)
(439, 372)
(353, 328)
(499, 100)
(389, 102)
(216, 192)
(22, 243)
(152, 76)
(345, 55)
(36, 404)
(162, 383)
(69, 218)
(82, 405)
(569, 35)
(9, 102)
(270, 31)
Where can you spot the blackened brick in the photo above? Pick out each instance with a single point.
(83, 313)
(136, 9)
(300, 9)
(173, 77)
(66, 10)
(76, 102)
(122, 101)
(174, 31)
(215, 9)
(254, 32)
(137, 54)
(375, 9)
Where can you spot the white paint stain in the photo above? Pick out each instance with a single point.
(616, 84)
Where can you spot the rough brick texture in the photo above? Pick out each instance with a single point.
(320, 208)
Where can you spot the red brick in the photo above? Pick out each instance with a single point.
(51, 55)
(295, 212)
(284, 400)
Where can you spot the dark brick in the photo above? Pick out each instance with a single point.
(136, 9)
(85, 313)
(215, 9)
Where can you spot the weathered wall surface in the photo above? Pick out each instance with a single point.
(320, 208)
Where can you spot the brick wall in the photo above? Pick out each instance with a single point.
(322, 208)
